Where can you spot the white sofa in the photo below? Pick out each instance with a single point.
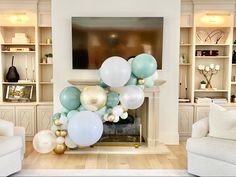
(208, 156)
(12, 148)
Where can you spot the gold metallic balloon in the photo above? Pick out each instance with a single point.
(63, 133)
(110, 118)
(57, 122)
(141, 81)
(58, 132)
(60, 149)
(93, 98)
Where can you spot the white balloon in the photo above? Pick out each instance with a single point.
(69, 143)
(117, 111)
(131, 96)
(44, 141)
(64, 126)
(117, 118)
(124, 115)
(115, 71)
(85, 128)
(130, 60)
(105, 117)
(155, 76)
(60, 140)
(63, 120)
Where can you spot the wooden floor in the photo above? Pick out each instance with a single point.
(175, 160)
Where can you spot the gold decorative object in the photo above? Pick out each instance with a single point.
(58, 132)
(141, 81)
(57, 122)
(208, 72)
(93, 98)
(63, 133)
(60, 149)
(110, 118)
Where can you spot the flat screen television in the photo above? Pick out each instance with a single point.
(94, 39)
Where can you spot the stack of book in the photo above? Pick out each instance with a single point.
(219, 100)
(203, 100)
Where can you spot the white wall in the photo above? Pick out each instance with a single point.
(63, 10)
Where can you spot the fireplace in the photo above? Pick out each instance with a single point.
(149, 119)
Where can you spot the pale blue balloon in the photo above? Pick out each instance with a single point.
(65, 110)
(148, 82)
(112, 99)
(85, 128)
(71, 113)
(81, 108)
(132, 80)
(144, 65)
(56, 116)
(70, 98)
(101, 112)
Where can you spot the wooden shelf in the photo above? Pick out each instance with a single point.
(234, 64)
(45, 44)
(233, 83)
(212, 57)
(212, 44)
(185, 64)
(46, 64)
(18, 52)
(46, 83)
(210, 90)
(18, 44)
(185, 45)
(18, 83)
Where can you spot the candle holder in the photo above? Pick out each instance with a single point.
(208, 72)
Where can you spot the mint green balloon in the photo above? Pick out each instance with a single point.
(112, 99)
(70, 98)
(55, 128)
(148, 82)
(144, 65)
(108, 111)
(102, 84)
(81, 108)
(132, 80)
(71, 113)
(56, 116)
(101, 112)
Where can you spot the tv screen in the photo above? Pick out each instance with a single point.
(94, 39)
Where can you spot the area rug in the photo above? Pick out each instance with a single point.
(100, 172)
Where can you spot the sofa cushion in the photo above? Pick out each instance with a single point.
(9, 144)
(216, 148)
(222, 122)
(6, 128)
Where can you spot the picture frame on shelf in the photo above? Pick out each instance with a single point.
(19, 93)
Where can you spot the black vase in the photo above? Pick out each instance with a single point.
(234, 57)
(12, 74)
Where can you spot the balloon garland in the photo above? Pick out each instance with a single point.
(81, 122)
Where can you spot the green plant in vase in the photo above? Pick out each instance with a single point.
(49, 58)
(203, 84)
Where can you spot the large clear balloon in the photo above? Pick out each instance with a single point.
(85, 128)
(44, 141)
(144, 65)
(69, 143)
(131, 97)
(93, 98)
(112, 99)
(115, 71)
(70, 98)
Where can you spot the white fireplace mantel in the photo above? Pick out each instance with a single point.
(153, 146)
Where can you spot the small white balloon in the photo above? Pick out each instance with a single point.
(130, 60)
(117, 118)
(117, 111)
(105, 117)
(124, 115)
(63, 119)
(60, 140)
(64, 126)
(155, 76)
(69, 143)
(44, 141)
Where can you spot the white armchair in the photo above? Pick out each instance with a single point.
(12, 148)
(208, 156)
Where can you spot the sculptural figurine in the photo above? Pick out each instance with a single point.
(234, 57)
(12, 74)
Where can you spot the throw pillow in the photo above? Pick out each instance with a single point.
(222, 122)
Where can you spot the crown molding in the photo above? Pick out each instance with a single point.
(214, 2)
